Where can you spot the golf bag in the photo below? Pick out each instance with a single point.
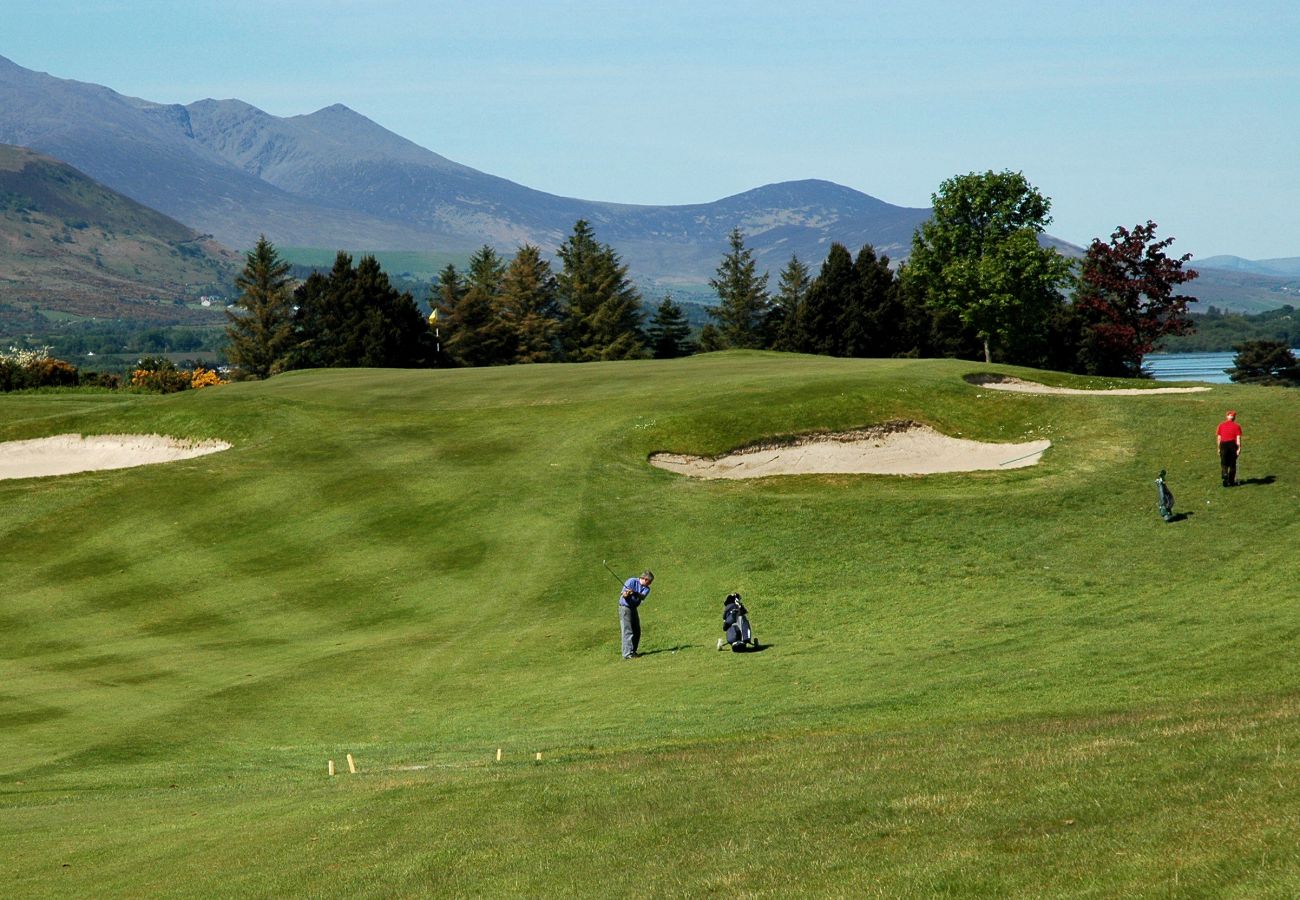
(1166, 498)
(735, 625)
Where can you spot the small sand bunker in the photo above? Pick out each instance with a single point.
(1010, 383)
(66, 454)
(895, 448)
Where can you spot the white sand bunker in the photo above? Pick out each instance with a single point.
(1009, 383)
(65, 454)
(895, 448)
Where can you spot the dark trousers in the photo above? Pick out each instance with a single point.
(1228, 462)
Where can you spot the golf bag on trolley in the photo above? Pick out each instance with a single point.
(735, 625)
(1165, 498)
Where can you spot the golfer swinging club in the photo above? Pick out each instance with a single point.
(635, 590)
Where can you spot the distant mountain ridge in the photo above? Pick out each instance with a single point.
(335, 178)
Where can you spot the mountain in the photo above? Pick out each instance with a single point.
(73, 246)
(1287, 267)
(336, 179)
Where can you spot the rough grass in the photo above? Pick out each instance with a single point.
(1003, 683)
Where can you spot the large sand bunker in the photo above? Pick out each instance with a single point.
(895, 448)
(1010, 383)
(65, 454)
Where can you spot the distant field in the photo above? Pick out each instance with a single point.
(1003, 683)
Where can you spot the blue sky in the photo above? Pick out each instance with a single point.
(1184, 113)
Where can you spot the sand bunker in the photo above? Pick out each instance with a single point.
(895, 448)
(1009, 383)
(65, 454)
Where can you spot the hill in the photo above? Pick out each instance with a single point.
(1003, 683)
(70, 246)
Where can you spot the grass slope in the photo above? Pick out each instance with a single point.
(1001, 683)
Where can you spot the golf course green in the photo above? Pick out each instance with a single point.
(995, 683)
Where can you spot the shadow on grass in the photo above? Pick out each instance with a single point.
(1267, 479)
(758, 648)
(668, 649)
(1179, 517)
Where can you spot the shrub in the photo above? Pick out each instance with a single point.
(202, 377)
(160, 376)
(49, 372)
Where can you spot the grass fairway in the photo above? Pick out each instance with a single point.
(1020, 682)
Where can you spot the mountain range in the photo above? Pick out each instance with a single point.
(335, 179)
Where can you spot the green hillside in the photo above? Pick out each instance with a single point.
(71, 247)
(1012, 683)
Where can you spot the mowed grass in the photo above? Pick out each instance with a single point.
(1019, 682)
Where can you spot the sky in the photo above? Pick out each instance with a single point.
(1183, 113)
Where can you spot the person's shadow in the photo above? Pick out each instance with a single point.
(667, 649)
(1179, 517)
(1267, 479)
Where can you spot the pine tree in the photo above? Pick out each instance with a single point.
(874, 325)
(742, 294)
(529, 308)
(476, 334)
(669, 331)
(355, 317)
(261, 334)
(792, 290)
(819, 321)
(602, 310)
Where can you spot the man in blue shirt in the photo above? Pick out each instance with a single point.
(635, 590)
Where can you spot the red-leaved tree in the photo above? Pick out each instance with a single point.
(1126, 299)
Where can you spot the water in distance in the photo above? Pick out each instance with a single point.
(1210, 367)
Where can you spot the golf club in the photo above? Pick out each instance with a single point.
(605, 563)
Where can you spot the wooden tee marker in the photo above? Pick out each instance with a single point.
(498, 754)
(331, 768)
(352, 767)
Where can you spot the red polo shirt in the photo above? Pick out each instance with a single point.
(1229, 431)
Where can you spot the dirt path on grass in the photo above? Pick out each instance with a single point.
(895, 448)
(66, 454)
(1009, 383)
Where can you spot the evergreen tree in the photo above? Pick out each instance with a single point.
(602, 311)
(710, 339)
(875, 323)
(476, 333)
(261, 334)
(742, 294)
(669, 332)
(817, 329)
(792, 290)
(355, 317)
(1265, 362)
(529, 308)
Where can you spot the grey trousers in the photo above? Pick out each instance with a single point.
(629, 621)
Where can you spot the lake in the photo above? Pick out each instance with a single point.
(1189, 366)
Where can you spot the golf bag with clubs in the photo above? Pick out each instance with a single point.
(735, 625)
(1166, 498)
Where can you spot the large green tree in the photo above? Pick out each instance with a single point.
(979, 257)
(742, 295)
(602, 310)
(261, 332)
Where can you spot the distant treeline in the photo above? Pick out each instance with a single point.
(1219, 332)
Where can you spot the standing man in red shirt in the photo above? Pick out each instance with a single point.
(1229, 437)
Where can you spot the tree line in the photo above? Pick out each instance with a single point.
(979, 283)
